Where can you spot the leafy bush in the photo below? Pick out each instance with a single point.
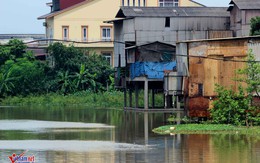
(20, 73)
(230, 107)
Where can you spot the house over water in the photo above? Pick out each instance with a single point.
(142, 35)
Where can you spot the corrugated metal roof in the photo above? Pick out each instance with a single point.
(172, 12)
(245, 4)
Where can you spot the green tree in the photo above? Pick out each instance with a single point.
(17, 48)
(255, 26)
(98, 66)
(4, 54)
(26, 76)
(66, 58)
(250, 75)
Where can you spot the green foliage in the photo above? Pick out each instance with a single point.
(236, 108)
(108, 99)
(255, 26)
(251, 75)
(17, 48)
(77, 71)
(230, 107)
(20, 73)
(66, 58)
(22, 77)
(208, 129)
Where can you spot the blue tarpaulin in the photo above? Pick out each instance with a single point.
(153, 70)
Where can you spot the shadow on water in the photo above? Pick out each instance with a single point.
(100, 135)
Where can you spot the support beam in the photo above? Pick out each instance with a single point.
(146, 128)
(146, 99)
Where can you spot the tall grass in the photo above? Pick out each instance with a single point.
(84, 98)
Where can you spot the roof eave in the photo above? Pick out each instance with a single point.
(64, 10)
(120, 13)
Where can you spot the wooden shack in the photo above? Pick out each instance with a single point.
(145, 69)
(212, 62)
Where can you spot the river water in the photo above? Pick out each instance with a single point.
(81, 135)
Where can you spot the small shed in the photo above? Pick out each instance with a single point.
(151, 60)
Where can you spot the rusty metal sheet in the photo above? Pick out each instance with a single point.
(198, 107)
(228, 48)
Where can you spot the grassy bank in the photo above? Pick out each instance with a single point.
(206, 129)
(101, 100)
(112, 99)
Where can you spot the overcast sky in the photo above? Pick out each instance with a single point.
(20, 16)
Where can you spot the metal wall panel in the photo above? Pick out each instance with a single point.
(255, 49)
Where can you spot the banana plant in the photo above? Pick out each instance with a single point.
(6, 82)
(65, 82)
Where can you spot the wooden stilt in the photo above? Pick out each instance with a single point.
(146, 99)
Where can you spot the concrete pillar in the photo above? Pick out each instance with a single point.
(146, 99)
(146, 128)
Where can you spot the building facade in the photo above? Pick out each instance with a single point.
(214, 62)
(139, 26)
(141, 32)
(241, 12)
(83, 20)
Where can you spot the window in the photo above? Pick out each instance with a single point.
(65, 32)
(107, 57)
(106, 33)
(84, 30)
(200, 91)
(168, 3)
(167, 22)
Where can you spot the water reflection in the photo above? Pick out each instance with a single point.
(93, 135)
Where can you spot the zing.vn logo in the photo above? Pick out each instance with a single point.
(21, 159)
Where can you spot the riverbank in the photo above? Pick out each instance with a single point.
(85, 98)
(206, 129)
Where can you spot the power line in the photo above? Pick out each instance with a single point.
(125, 43)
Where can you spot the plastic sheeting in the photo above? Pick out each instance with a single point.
(152, 70)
